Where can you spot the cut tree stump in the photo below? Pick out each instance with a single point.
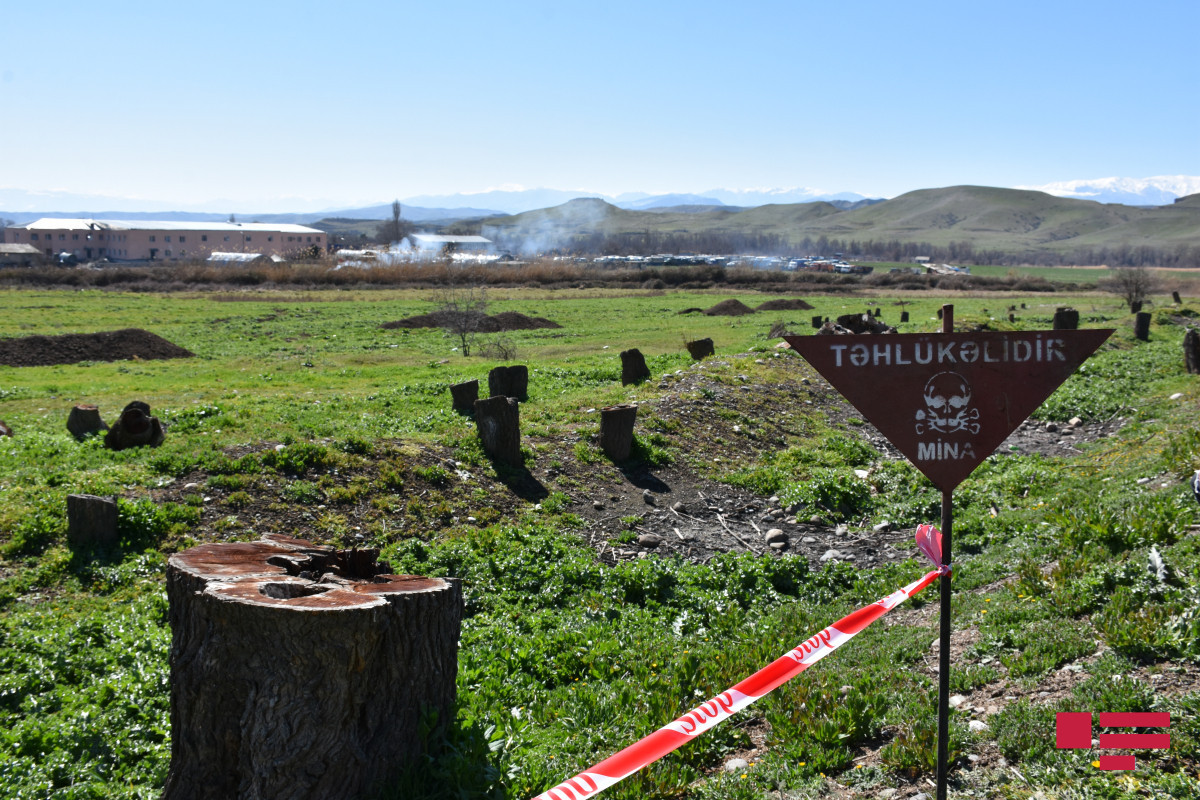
(300, 672)
(91, 521)
(616, 430)
(1066, 319)
(509, 382)
(1141, 326)
(633, 367)
(463, 395)
(84, 420)
(498, 420)
(701, 349)
(1191, 351)
(135, 428)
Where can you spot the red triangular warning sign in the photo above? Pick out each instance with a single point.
(947, 400)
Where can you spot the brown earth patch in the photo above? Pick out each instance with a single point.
(794, 304)
(729, 308)
(70, 348)
(504, 321)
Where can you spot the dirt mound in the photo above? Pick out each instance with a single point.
(129, 343)
(692, 310)
(795, 304)
(516, 321)
(729, 308)
(504, 321)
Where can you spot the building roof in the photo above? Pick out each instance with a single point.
(63, 223)
(241, 258)
(19, 250)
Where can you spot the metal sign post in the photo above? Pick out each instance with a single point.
(947, 401)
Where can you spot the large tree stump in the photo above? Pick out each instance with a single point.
(509, 382)
(701, 349)
(299, 672)
(633, 367)
(1066, 319)
(463, 395)
(1191, 351)
(84, 420)
(91, 521)
(498, 421)
(1141, 326)
(135, 428)
(616, 430)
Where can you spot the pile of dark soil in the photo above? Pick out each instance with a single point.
(794, 304)
(729, 308)
(504, 321)
(130, 343)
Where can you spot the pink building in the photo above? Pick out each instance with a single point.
(124, 240)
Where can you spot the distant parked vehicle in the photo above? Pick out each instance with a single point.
(65, 259)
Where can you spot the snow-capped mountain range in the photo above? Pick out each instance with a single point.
(24, 205)
(1158, 191)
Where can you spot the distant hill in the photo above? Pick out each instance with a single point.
(1008, 221)
(660, 201)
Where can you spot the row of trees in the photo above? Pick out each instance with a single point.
(956, 252)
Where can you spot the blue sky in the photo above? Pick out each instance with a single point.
(300, 105)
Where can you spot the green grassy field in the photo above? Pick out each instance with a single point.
(565, 660)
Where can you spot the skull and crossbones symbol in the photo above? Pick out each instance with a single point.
(947, 406)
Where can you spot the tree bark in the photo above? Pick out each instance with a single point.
(1191, 351)
(700, 349)
(299, 674)
(1066, 319)
(633, 367)
(463, 395)
(91, 521)
(1141, 326)
(84, 420)
(509, 382)
(498, 421)
(616, 430)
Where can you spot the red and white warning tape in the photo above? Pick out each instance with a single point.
(705, 716)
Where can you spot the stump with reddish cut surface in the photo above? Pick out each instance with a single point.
(301, 672)
(84, 420)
